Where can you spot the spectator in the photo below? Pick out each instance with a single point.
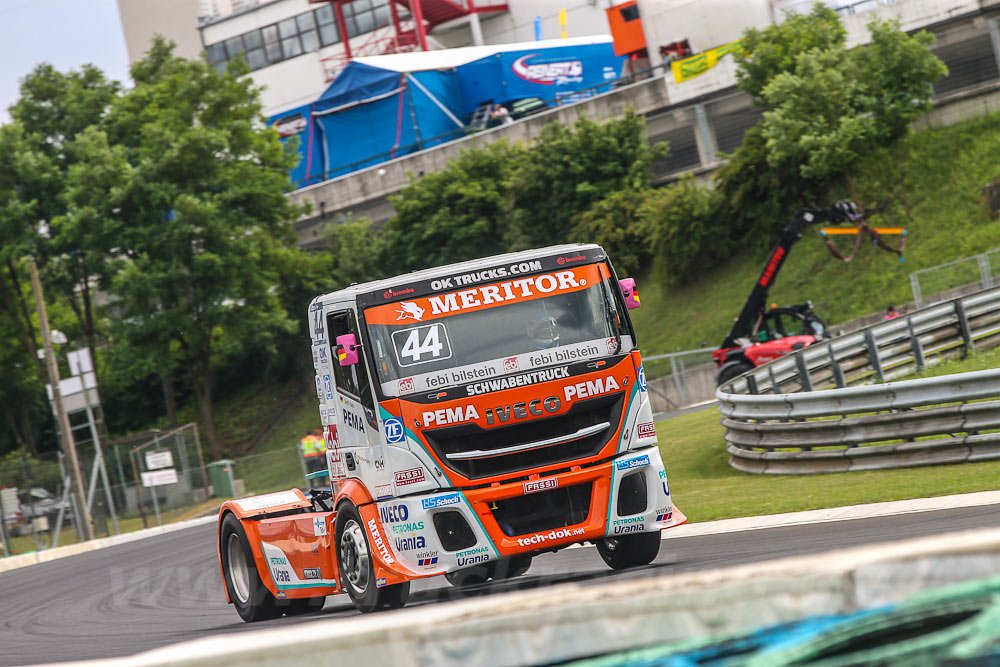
(500, 113)
(891, 313)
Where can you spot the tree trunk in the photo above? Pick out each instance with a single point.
(27, 430)
(203, 394)
(850, 186)
(169, 399)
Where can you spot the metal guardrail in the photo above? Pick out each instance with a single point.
(832, 408)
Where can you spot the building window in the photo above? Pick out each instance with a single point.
(286, 39)
(363, 16)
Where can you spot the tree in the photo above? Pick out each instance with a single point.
(775, 49)
(193, 185)
(684, 227)
(835, 105)
(461, 212)
(569, 169)
(616, 225)
(54, 109)
(357, 253)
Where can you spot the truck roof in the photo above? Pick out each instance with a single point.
(470, 265)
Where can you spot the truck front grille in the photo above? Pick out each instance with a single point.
(469, 438)
(538, 512)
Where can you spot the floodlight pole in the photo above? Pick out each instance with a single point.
(65, 431)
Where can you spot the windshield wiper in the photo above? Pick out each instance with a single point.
(613, 318)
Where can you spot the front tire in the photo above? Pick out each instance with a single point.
(629, 550)
(730, 370)
(357, 567)
(248, 593)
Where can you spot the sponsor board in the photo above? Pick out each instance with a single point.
(268, 500)
(537, 485)
(383, 491)
(488, 376)
(441, 501)
(410, 543)
(642, 379)
(380, 544)
(523, 380)
(426, 562)
(409, 476)
(393, 513)
(380, 583)
(647, 430)
(410, 527)
(550, 536)
(311, 573)
(550, 73)
(319, 526)
(353, 420)
(629, 464)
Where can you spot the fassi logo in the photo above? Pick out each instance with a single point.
(546, 73)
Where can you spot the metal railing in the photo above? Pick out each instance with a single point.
(818, 410)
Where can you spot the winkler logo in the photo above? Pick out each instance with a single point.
(565, 71)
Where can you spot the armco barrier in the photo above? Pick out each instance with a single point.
(818, 410)
(570, 621)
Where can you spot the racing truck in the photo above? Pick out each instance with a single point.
(474, 415)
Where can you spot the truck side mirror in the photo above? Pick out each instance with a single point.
(627, 286)
(347, 349)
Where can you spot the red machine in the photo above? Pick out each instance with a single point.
(760, 335)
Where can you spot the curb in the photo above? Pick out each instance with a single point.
(35, 557)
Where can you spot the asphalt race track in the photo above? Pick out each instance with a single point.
(167, 589)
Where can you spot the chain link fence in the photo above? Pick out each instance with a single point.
(956, 278)
(680, 379)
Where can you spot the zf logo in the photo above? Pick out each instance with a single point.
(394, 430)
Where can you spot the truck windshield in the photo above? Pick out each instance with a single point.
(492, 330)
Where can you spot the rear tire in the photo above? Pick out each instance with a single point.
(248, 593)
(730, 370)
(629, 550)
(357, 567)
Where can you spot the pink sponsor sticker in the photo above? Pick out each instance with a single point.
(411, 476)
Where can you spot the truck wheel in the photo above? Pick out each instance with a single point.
(250, 596)
(470, 576)
(357, 571)
(730, 370)
(629, 550)
(508, 568)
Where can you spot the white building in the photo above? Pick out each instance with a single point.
(295, 47)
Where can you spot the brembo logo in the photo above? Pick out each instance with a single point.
(388, 294)
(562, 260)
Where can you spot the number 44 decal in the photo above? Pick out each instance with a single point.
(420, 345)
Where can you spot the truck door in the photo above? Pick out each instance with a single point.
(362, 447)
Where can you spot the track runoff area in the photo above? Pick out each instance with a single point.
(166, 590)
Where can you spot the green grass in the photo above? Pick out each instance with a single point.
(978, 361)
(945, 171)
(705, 488)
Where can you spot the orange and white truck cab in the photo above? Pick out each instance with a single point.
(474, 415)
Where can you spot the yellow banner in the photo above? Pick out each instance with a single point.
(701, 63)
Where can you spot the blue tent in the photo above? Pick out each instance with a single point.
(297, 124)
(372, 114)
(381, 107)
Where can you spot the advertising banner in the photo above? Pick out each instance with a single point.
(689, 68)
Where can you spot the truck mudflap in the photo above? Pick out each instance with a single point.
(443, 532)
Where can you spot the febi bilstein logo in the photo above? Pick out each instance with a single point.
(564, 71)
